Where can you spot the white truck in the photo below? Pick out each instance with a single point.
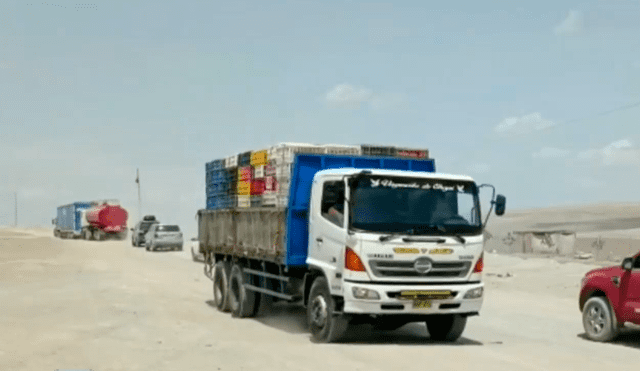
(377, 240)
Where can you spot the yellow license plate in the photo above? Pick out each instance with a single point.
(421, 304)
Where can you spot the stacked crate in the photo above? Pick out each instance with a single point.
(217, 184)
(391, 151)
(262, 178)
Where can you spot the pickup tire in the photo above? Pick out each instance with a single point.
(242, 302)
(599, 321)
(221, 286)
(326, 326)
(446, 327)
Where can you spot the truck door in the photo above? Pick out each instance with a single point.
(630, 290)
(327, 235)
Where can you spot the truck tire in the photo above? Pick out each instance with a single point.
(599, 321)
(221, 286)
(242, 302)
(326, 326)
(446, 327)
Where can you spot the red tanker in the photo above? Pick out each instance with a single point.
(105, 220)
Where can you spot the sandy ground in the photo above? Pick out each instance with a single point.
(72, 304)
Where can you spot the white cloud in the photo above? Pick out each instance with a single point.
(550, 152)
(523, 125)
(618, 153)
(571, 25)
(348, 96)
(353, 97)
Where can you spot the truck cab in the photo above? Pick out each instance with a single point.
(397, 247)
(609, 298)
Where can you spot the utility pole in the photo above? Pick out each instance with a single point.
(16, 212)
(139, 199)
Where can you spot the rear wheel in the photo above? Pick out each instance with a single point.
(598, 320)
(326, 326)
(242, 302)
(446, 327)
(221, 286)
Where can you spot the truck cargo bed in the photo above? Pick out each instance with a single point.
(251, 233)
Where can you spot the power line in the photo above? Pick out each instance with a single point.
(604, 113)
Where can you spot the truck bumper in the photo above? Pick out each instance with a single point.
(390, 303)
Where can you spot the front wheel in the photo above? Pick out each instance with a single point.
(446, 327)
(326, 326)
(598, 320)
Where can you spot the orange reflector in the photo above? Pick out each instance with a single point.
(479, 265)
(352, 261)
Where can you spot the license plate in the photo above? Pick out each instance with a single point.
(421, 304)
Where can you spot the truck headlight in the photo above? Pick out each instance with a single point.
(474, 294)
(362, 293)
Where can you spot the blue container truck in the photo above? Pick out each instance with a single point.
(70, 220)
(379, 240)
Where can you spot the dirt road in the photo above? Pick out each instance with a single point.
(108, 306)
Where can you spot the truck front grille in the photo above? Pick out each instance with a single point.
(450, 269)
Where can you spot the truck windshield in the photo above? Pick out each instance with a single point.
(415, 205)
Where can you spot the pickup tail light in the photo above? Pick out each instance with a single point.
(352, 261)
(480, 264)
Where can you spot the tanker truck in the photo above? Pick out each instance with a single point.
(354, 237)
(96, 220)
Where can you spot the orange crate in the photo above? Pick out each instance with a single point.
(259, 158)
(244, 188)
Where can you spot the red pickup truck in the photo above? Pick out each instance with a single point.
(609, 297)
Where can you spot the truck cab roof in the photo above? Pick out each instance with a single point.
(415, 174)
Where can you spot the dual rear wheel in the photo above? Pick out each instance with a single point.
(229, 293)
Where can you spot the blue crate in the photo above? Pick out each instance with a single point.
(214, 165)
(244, 159)
(212, 203)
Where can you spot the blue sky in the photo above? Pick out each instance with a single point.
(90, 92)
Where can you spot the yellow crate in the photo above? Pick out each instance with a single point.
(244, 188)
(259, 158)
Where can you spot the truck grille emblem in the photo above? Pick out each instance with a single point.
(422, 265)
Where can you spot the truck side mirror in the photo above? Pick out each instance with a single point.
(501, 204)
(627, 264)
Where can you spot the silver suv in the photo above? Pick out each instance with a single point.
(163, 236)
(140, 230)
